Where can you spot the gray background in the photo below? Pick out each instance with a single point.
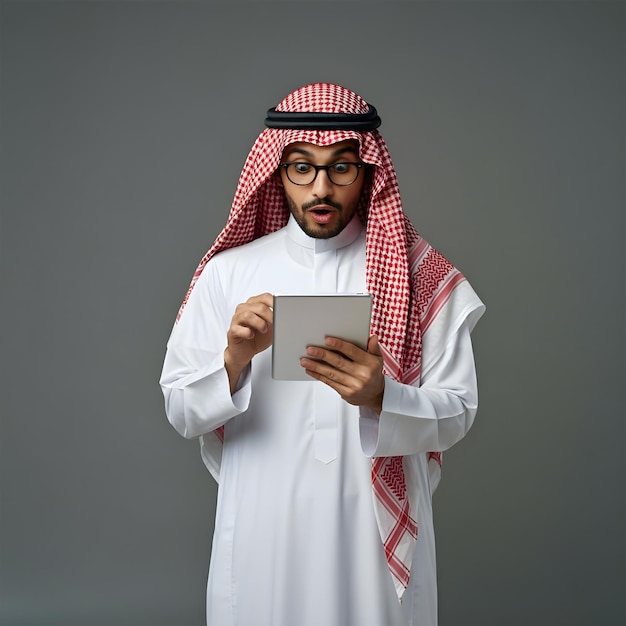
(124, 127)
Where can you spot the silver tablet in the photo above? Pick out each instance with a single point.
(306, 320)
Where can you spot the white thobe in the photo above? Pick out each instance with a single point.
(296, 541)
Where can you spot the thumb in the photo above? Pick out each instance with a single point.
(373, 347)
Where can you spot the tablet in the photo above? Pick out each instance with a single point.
(306, 320)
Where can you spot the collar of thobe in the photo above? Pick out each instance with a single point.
(343, 239)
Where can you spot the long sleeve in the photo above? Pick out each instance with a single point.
(431, 417)
(194, 380)
(199, 401)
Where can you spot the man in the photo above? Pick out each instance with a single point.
(324, 513)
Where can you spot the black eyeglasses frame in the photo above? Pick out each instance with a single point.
(326, 168)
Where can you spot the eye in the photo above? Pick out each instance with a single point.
(341, 168)
(302, 168)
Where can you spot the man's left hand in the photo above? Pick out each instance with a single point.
(355, 374)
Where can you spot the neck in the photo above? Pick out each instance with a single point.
(344, 238)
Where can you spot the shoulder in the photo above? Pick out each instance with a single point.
(250, 250)
(266, 241)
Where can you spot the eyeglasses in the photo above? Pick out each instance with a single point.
(302, 173)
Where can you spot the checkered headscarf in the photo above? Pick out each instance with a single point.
(406, 277)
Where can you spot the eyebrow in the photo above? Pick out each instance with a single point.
(336, 153)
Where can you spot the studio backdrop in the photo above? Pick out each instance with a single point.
(124, 126)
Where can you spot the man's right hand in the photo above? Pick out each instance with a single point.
(250, 332)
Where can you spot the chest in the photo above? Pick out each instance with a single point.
(297, 270)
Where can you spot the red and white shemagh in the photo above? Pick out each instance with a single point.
(408, 279)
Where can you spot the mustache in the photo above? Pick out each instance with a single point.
(321, 202)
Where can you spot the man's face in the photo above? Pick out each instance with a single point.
(322, 209)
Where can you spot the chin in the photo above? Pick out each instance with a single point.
(320, 232)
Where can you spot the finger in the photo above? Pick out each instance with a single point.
(266, 299)
(265, 304)
(326, 374)
(351, 351)
(255, 315)
(367, 357)
(334, 359)
(249, 324)
(373, 347)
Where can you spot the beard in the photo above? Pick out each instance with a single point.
(321, 231)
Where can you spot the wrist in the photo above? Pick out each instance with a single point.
(233, 369)
(377, 404)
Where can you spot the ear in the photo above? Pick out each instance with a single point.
(278, 177)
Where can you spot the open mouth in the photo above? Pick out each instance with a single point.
(321, 215)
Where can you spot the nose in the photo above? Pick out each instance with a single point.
(322, 186)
